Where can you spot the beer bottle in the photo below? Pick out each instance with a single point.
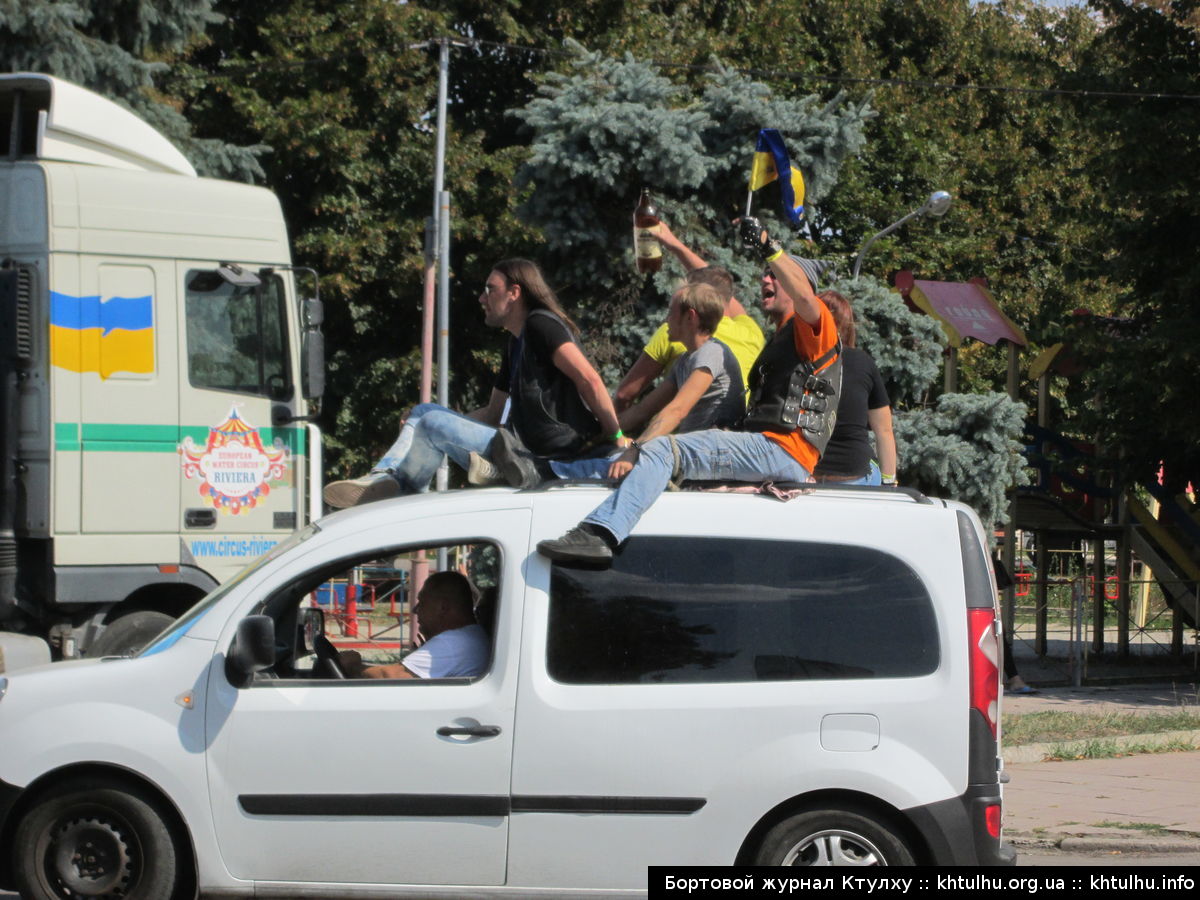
(646, 248)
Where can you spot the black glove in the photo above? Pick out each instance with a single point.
(756, 240)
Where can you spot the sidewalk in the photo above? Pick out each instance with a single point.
(1081, 804)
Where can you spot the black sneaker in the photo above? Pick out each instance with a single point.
(579, 545)
(514, 461)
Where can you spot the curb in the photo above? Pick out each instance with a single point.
(1102, 843)
(1034, 753)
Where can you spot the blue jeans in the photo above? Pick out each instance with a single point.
(703, 456)
(595, 467)
(430, 434)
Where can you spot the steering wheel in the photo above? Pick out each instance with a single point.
(328, 655)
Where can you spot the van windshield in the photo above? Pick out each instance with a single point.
(185, 622)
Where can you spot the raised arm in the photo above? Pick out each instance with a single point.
(791, 277)
(678, 248)
(798, 287)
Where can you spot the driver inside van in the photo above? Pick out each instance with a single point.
(455, 645)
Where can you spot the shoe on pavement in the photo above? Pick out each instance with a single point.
(482, 471)
(579, 545)
(357, 491)
(514, 462)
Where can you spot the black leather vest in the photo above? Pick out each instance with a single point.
(547, 412)
(788, 393)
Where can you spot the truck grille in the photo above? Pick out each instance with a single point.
(24, 316)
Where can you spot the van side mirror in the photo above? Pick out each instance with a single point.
(311, 624)
(253, 650)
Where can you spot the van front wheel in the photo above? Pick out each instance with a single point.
(88, 840)
(831, 837)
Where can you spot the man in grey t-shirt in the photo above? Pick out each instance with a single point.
(704, 389)
(721, 405)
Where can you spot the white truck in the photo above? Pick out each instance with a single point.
(157, 370)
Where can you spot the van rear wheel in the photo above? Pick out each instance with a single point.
(832, 837)
(89, 840)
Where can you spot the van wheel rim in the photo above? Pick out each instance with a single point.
(90, 858)
(834, 847)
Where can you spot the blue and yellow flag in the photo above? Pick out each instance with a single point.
(771, 163)
(88, 334)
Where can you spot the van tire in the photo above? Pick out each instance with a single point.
(130, 633)
(84, 839)
(832, 837)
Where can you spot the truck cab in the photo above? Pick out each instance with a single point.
(157, 369)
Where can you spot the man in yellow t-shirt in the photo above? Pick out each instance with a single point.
(737, 330)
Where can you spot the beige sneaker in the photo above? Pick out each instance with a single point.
(483, 472)
(368, 489)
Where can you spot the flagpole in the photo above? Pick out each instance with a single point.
(749, 197)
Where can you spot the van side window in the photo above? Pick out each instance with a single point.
(674, 610)
(354, 619)
(237, 335)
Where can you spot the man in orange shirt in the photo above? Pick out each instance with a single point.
(794, 386)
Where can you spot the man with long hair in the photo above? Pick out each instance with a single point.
(559, 404)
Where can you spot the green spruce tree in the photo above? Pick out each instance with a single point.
(117, 48)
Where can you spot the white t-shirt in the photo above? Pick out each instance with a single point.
(457, 653)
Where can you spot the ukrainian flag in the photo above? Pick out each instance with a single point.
(88, 334)
(771, 163)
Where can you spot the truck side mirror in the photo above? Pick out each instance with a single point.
(314, 349)
(253, 650)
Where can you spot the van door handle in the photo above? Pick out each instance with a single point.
(469, 730)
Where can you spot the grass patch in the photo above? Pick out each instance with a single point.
(1100, 749)
(1148, 827)
(1051, 726)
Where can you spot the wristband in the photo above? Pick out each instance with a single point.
(774, 256)
(616, 437)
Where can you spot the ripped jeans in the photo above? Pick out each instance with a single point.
(430, 434)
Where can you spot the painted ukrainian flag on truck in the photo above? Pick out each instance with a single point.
(102, 334)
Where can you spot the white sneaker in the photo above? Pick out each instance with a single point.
(368, 489)
(483, 471)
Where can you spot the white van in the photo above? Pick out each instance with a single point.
(751, 682)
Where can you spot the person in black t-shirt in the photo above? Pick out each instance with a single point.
(863, 405)
(559, 404)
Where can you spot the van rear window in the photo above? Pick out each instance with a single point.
(673, 610)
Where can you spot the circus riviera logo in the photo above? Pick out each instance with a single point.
(233, 465)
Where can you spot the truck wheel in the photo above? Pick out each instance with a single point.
(130, 633)
(84, 839)
(832, 837)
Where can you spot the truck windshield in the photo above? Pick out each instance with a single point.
(185, 622)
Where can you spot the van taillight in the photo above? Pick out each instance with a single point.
(991, 820)
(985, 664)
